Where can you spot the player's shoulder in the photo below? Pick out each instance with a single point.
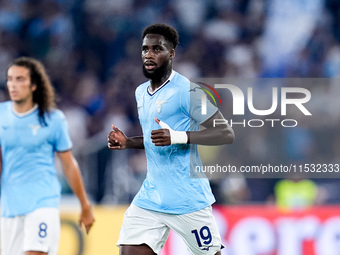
(142, 88)
(5, 106)
(180, 78)
(185, 82)
(181, 82)
(56, 114)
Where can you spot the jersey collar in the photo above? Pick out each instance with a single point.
(164, 83)
(23, 114)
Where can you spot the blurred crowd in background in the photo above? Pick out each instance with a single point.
(91, 50)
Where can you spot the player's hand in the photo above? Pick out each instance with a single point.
(161, 137)
(116, 139)
(86, 218)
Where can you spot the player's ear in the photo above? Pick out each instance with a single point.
(34, 87)
(172, 53)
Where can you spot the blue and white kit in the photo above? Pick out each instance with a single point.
(168, 187)
(28, 178)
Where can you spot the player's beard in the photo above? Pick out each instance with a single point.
(157, 74)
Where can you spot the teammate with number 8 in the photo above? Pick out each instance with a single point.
(32, 131)
(170, 116)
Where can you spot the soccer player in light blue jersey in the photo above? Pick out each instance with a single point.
(32, 130)
(169, 111)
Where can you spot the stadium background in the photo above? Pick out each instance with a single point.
(92, 53)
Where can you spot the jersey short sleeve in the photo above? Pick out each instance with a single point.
(195, 102)
(62, 137)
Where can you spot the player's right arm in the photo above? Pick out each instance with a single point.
(117, 140)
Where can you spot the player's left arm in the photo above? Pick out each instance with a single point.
(212, 134)
(72, 173)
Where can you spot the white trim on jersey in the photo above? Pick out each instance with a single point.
(23, 114)
(164, 83)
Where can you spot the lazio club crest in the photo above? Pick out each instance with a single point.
(159, 105)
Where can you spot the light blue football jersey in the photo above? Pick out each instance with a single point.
(28, 179)
(168, 186)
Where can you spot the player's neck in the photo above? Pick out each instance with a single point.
(23, 106)
(156, 84)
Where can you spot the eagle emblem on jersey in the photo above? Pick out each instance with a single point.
(35, 129)
(159, 105)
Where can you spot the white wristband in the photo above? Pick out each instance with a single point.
(176, 137)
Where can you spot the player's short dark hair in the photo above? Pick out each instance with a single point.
(169, 33)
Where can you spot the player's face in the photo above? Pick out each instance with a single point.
(157, 54)
(19, 84)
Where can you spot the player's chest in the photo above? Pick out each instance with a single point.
(160, 105)
(28, 133)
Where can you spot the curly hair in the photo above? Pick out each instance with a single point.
(44, 95)
(169, 33)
